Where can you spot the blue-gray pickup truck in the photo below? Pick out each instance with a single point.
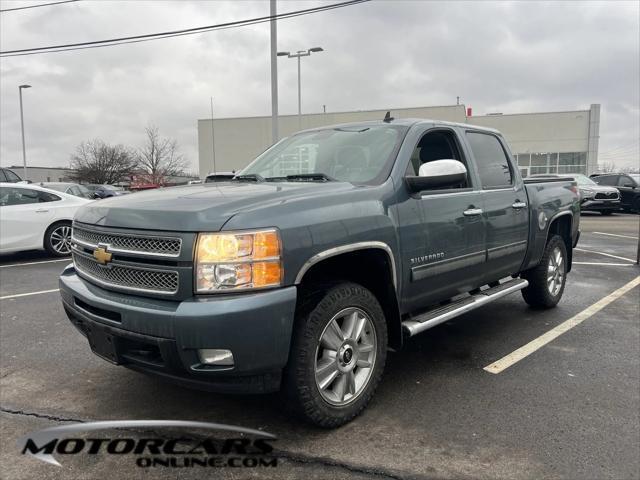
(329, 249)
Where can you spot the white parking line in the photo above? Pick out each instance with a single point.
(526, 350)
(35, 263)
(616, 235)
(604, 263)
(605, 254)
(6, 297)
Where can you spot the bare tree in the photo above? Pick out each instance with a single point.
(159, 158)
(607, 167)
(95, 161)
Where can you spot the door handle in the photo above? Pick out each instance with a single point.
(472, 212)
(519, 205)
(42, 210)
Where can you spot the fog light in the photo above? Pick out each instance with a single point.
(214, 356)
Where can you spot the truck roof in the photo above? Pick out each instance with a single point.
(408, 122)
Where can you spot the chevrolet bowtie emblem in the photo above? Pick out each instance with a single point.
(102, 256)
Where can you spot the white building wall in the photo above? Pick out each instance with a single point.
(541, 132)
(240, 140)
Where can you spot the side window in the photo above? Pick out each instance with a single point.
(11, 177)
(3, 177)
(610, 180)
(18, 196)
(491, 160)
(625, 181)
(47, 197)
(436, 145)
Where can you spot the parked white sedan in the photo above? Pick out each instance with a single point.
(33, 217)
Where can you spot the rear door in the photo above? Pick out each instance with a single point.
(627, 187)
(506, 212)
(442, 232)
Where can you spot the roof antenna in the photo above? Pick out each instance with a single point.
(387, 118)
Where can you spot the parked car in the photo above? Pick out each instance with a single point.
(627, 184)
(219, 177)
(33, 217)
(8, 176)
(593, 197)
(105, 191)
(71, 188)
(298, 275)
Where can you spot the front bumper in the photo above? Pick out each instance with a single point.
(600, 205)
(162, 337)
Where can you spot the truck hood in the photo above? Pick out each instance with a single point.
(194, 208)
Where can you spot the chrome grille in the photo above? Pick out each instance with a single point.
(127, 277)
(607, 196)
(128, 243)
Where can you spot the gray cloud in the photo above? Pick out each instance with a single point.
(508, 57)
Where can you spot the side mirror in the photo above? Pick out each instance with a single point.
(438, 174)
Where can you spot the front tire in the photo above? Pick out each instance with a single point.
(337, 355)
(547, 279)
(57, 239)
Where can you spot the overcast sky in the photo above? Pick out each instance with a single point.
(497, 56)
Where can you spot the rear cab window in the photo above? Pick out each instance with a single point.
(492, 161)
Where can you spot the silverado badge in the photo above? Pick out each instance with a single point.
(101, 255)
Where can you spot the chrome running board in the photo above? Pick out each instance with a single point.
(436, 316)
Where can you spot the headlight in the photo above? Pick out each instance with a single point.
(586, 193)
(238, 261)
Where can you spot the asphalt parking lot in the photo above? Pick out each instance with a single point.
(570, 409)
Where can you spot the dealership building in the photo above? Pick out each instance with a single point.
(543, 142)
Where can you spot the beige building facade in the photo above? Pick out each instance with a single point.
(546, 142)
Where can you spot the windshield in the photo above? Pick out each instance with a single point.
(584, 181)
(357, 154)
(85, 191)
(59, 187)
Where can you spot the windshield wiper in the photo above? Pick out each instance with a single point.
(249, 177)
(310, 177)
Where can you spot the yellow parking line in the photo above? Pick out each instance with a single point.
(526, 350)
(17, 295)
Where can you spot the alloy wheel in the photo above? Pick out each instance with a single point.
(345, 356)
(555, 272)
(60, 239)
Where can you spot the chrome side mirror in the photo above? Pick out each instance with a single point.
(438, 174)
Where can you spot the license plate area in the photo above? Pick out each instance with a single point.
(103, 344)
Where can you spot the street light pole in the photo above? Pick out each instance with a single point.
(299, 91)
(274, 71)
(298, 54)
(24, 150)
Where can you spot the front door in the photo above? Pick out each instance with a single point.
(442, 232)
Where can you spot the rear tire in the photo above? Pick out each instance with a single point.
(547, 279)
(337, 356)
(57, 239)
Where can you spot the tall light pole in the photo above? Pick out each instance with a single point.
(298, 55)
(24, 150)
(274, 72)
